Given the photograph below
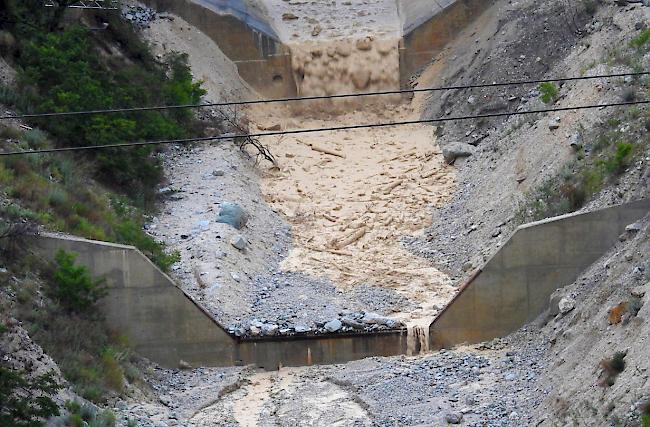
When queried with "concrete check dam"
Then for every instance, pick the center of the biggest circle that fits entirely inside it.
(166, 325)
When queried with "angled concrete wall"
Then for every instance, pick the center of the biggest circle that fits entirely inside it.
(423, 39)
(514, 287)
(244, 36)
(165, 325)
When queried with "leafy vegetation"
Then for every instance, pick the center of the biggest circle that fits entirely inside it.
(82, 415)
(53, 190)
(547, 92)
(24, 401)
(610, 155)
(88, 84)
(645, 414)
(641, 40)
(608, 150)
(97, 362)
(74, 288)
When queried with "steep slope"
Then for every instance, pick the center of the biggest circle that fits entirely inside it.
(515, 157)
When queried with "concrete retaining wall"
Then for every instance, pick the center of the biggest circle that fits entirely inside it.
(514, 287)
(245, 38)
(165, 325)
(425, 38)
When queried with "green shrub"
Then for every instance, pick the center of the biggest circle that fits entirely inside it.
(645, 414)
(620, 160)
(90, 83)
(26, 402)
(8, 96)
(635, 305)
(36, 139)
(90, 415)
(641, 40)
(548, 92)
(74, 288)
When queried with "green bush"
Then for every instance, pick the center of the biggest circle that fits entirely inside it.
(89, 83)
(641, 40)
(26, 402)
(90, 415)
(590, 6)
(547, 92)
(645, 414)
(620, 160)
(74, 288)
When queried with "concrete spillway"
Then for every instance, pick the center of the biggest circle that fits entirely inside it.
(271, 59)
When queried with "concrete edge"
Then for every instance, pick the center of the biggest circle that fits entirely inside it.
(522, 227)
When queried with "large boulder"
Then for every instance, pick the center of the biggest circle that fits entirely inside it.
(333, 326)
(233, 215)
(457, 150)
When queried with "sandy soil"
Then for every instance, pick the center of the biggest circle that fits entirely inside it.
(351, 196)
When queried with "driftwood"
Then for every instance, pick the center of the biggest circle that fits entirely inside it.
(429, 174)
(330, 218)
(347, 241)
(326, 150)
(393, 186)
(330, 251)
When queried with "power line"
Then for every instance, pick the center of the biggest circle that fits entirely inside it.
(314, 98)
(314, 130)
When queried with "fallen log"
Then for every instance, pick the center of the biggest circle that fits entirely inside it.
(326, 150)
(393, 186)
(347, 241)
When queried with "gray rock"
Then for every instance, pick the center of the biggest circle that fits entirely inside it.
(333, 325)
(301, 329)
(633, 228)
(218, 172)
(238, 242)
(577, 141)
(269, 329)
(454, 418)
(455, 151)
(566, 305)
(352, 323)
(554, 303)
(554, 123)
(233, 215)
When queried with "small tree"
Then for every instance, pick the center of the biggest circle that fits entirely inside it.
(75, 289)
(26, 402)
(547, 92)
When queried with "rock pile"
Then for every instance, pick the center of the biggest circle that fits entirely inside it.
(139, 16)
(344, 323)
